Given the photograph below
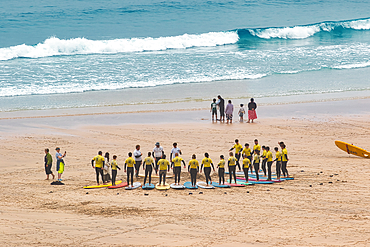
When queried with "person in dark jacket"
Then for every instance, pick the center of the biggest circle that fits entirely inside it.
(252, 106)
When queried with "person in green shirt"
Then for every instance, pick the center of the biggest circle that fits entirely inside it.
(48, 163)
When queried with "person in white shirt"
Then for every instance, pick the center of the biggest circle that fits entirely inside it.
(138, 160)
(175, 150)
(157, 154)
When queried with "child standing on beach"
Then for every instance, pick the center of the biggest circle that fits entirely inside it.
(247, 153)
(231, 163)
(241, 113)
(106, 173)
(214, 109)
(221, 170)
(60, 163)
(246, 165)
(114, 169)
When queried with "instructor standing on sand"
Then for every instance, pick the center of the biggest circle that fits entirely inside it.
(157, 155)
(138, 160)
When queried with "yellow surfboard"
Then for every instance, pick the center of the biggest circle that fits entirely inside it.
(352, 149)
(101, 185)
(162, 187)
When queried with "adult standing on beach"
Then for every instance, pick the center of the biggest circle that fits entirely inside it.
(221, 106)
(138, 160)
(157, 155)
(284, 159)
(229, 112)
(60, 162)
(99, 164)
(252, 106)
(48, 163)
(175, 150)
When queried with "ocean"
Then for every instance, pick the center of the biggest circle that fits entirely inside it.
(153, 55)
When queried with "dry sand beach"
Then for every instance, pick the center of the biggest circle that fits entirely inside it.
(293, 213)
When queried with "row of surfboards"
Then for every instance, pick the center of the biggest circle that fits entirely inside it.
(240, 182)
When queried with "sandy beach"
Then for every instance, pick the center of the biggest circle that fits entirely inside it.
(328, 203)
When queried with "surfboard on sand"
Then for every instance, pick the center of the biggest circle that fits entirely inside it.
(148, 186)
(156, 176)
(220, 185)
(235, 185)
(134, 186)
(188, 185)
(101, 185)
(162, 186)
(242, 182)
(124, 184)
(352, 149)
(204, 185)
(177, 187)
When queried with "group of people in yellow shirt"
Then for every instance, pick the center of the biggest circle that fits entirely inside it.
(251, 159)
(254, 155)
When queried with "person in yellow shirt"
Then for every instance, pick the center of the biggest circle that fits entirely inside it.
(129, 163)
(99, 163)
(114, 166)
(176, 164)
(284, 159)
(193, 168)
(238, 150)
(264, 159)
(256, 146)
(164, 165)
(207, 162)
(247, 153)
(221, 170)
(278, 162)
(269, 162)
(231, 163)
(246, 165)
(256, 163)
(148, 166)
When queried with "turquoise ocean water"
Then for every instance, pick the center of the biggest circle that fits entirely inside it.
(75, 54)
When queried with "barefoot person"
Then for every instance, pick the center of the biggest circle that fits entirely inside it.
(214, 110)
(176, 163)
(247, 153)
(60, 163)
(193, 169)
(252, 106)
(238, 149)
(269, 162)
(221, 106)
(157, 155)
(48, 163)
(229, 112)
(241, 113)
(148, 166)
(175, 150)
(114, 166)
(278, 163)
(207, 162)
(256, 163)
(284, 160)
(164, 165)
(231, 163)
(99, 164)
(138, 160)
(264, 159)
(129, 163)
(246, 165)
(221, 170)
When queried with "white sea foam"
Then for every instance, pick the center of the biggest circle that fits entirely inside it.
(303, 32)
(352, 66)
(55, 46)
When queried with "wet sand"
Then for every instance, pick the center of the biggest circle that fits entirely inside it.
(326, 205)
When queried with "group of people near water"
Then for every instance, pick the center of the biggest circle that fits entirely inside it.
(220, 104)
(245, 158)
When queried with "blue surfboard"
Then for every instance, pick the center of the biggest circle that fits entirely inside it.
(188, 185)
(148, 186)
(220, 185)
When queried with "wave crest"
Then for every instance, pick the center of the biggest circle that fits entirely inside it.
(55, 46)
